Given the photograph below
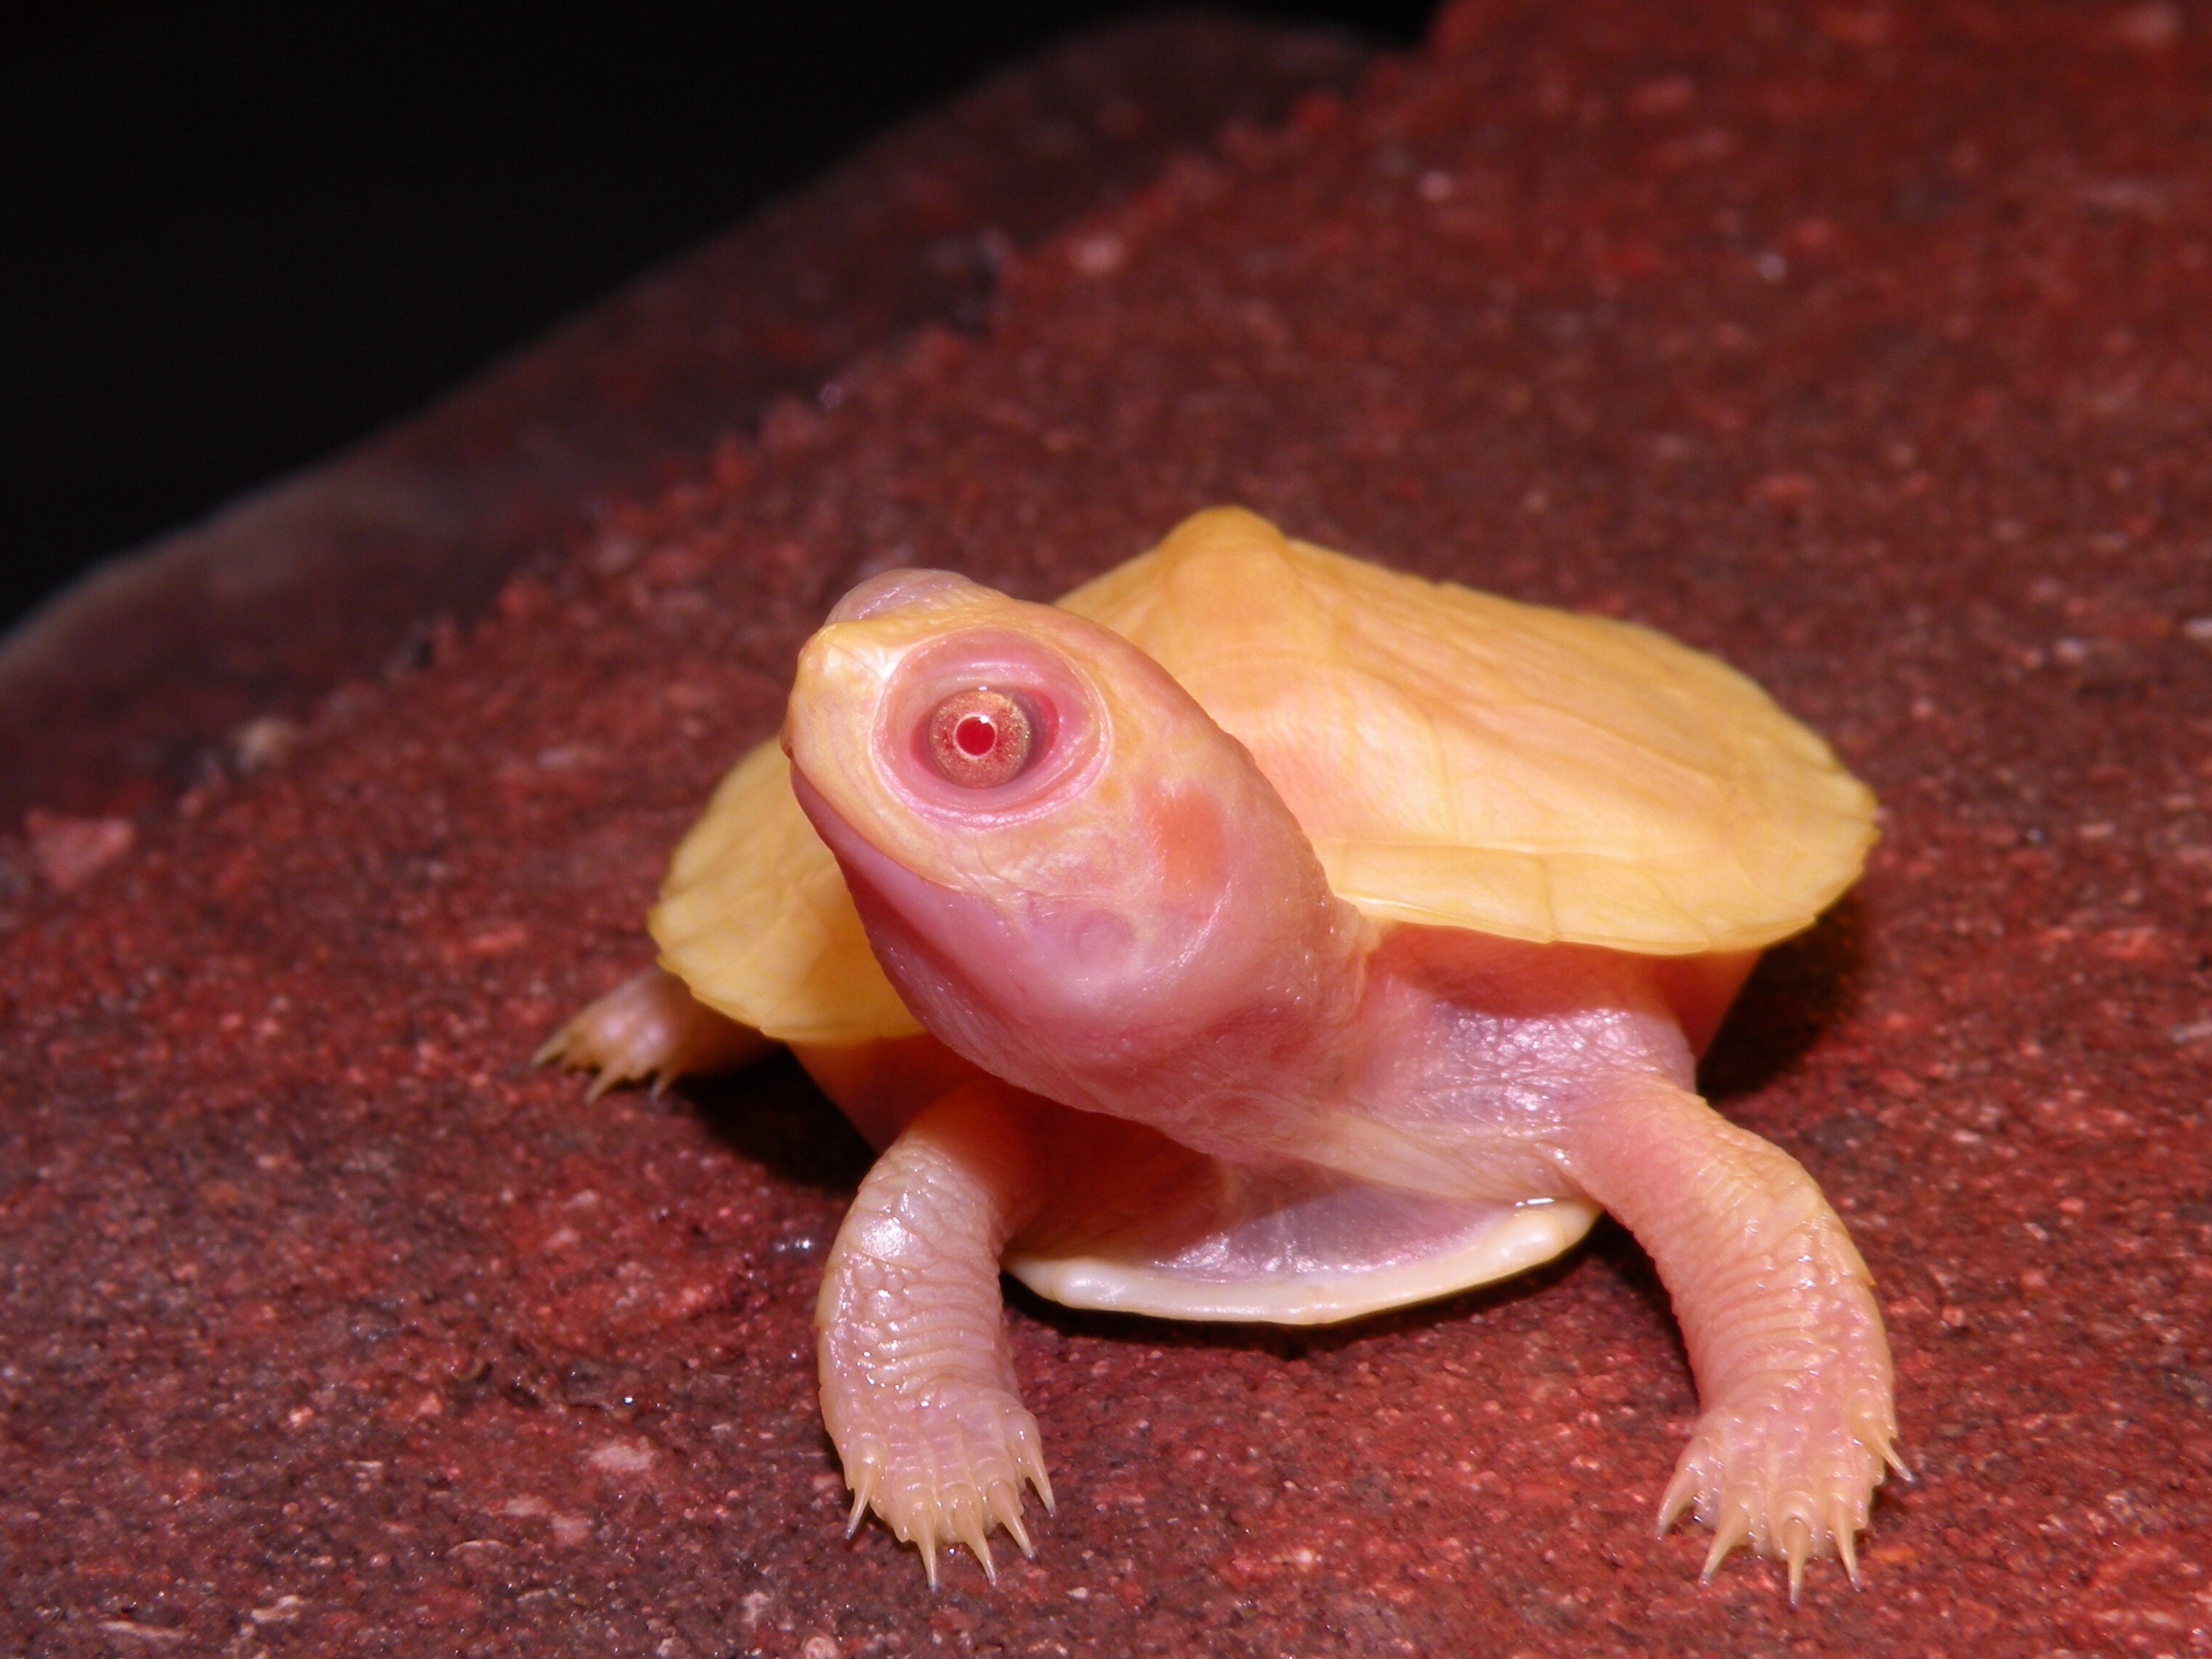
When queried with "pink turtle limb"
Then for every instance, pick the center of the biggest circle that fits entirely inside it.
(1777, 1313)
(650, 1026)
(918, 1386)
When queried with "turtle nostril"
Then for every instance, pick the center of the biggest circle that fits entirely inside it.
(895, 590)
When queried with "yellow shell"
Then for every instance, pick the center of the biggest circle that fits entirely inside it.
(1456, 759)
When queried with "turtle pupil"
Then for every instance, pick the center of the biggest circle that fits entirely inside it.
(980, 738)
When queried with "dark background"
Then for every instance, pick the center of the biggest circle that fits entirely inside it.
(236, 235)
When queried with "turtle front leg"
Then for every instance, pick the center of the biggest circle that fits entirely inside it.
(650, 1026)
(1778, 1314)
(918, 1386)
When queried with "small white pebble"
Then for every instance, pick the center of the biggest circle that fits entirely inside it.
(622, 1457)
(1100, 255)
(264, 742)
(2198, 630)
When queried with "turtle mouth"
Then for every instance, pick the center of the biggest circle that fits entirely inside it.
(866, 865)
(1025, 955)
(924, 934)
(951, 925)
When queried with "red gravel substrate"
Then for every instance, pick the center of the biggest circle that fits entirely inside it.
(1868, 346)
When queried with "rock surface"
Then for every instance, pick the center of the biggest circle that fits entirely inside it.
(1869, 346)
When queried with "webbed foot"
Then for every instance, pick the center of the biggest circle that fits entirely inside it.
(946, 1466)
(649, 1026)
(1791, 1477)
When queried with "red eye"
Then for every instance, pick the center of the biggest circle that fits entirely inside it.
(986, 724)
(980, 738)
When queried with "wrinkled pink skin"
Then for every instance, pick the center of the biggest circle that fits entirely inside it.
(1236, 1005)
(1268, 1020)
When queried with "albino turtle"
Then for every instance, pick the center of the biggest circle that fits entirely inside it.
(1259, 934)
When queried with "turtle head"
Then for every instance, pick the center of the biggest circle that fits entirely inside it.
(1061, 861)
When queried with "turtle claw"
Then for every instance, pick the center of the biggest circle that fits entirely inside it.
(967, 1526)
(1006, 1504)
(1028, 1459)
(925, 1540)
(1796, 1550)
(1681, 1493)
(1731, 1530)
(864, 1493)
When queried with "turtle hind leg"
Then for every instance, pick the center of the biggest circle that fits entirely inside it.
(650, 1026)
(918, 1385)
(1798, 1426)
